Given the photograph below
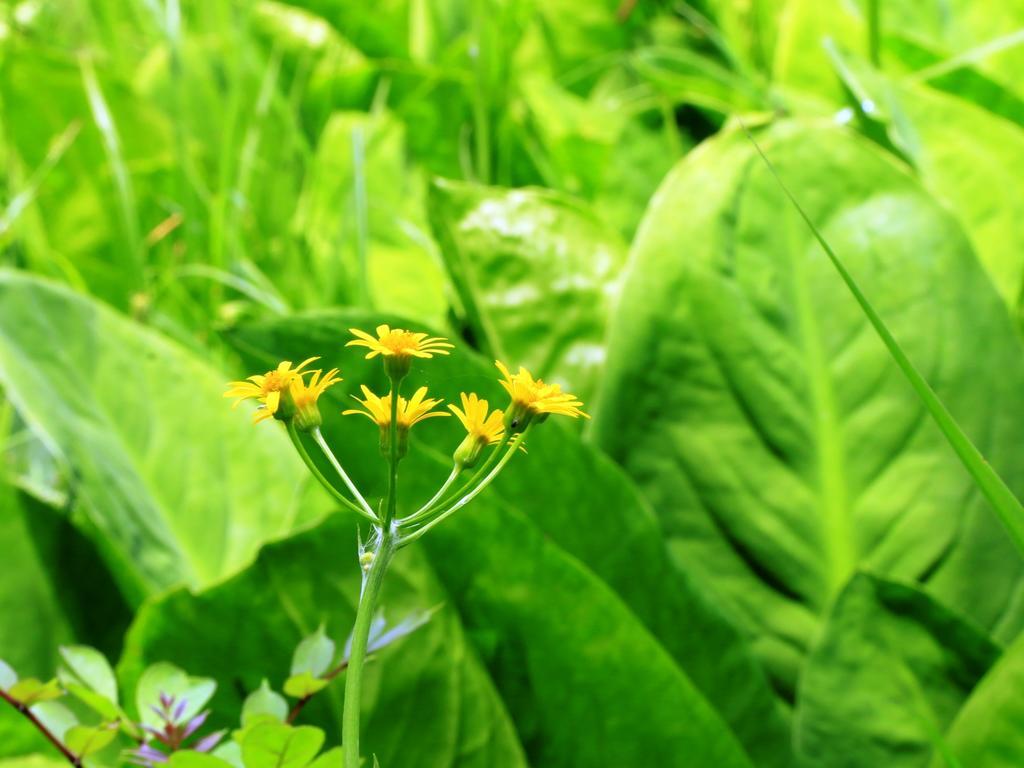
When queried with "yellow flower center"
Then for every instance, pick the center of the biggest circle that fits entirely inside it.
(275, 382)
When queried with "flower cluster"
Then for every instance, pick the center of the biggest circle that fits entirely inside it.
(283, 392)
(493, 436)
(174, 731)
(290, 394)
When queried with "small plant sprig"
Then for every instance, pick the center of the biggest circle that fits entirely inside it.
(290, 395)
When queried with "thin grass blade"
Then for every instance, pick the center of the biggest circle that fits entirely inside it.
(1002, 499)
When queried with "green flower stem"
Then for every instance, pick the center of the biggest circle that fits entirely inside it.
(293, 433)
(425, 509)
(469, 496)
(318, 438)
(392, 504)
(372, 582)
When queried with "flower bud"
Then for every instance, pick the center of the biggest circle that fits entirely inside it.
(286, 406)
(307, 416)
(468, 452)
(517, 417)
(397, 366)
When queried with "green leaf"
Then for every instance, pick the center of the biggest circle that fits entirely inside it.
(166, 679)
(340, 75)
(303, 684)
(57, 718)
(28, 598)
(83, 740)
(765, 421)
(106, 397)
(886, 677)
(377, 254)
(264, 701)
(966, 156)
(188, 759)
(988, 731)
(231, 751)
(431, 693)
(419, 688)
(275, 745)
(314, 654)
(558, 486)
(34, 761)
(90, 668)
(332, 758)
(30, 690)
(981, 33)
(536, 273)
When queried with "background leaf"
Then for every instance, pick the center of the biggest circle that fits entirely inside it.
(987, 731)
(885, 678)
(766, 423)
(114, 404)
(536, 274)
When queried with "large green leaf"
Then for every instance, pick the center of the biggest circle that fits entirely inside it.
(886, 677)
(27, 599)
(989, 731)
(162, 475)
(766, 422)
(431, 703)
(536, 274)
(968, 157)
(975, 32)
(574, 495)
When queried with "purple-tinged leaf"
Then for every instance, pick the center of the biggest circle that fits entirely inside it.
(148, 755)
(208, 742)
(193, 725)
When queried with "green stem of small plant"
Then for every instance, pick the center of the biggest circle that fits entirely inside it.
(27, 712)
(392, 502)
(293, 433)
(875, 32)
(372, 582)
(466, 486)
(469, 496)
(425, 509)
(318, 438)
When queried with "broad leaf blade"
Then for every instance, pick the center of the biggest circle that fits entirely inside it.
(989, 731)
(129, 417)
(886, 677)
(536, 273)
(766, 422)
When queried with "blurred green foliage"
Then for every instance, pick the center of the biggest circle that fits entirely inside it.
(761, 552)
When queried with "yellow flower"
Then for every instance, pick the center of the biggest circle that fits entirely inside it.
(481, 426)
(482, 429)
(267, 388)
(532, 398)
(398, 342)
(411, 411)
(304, 397)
